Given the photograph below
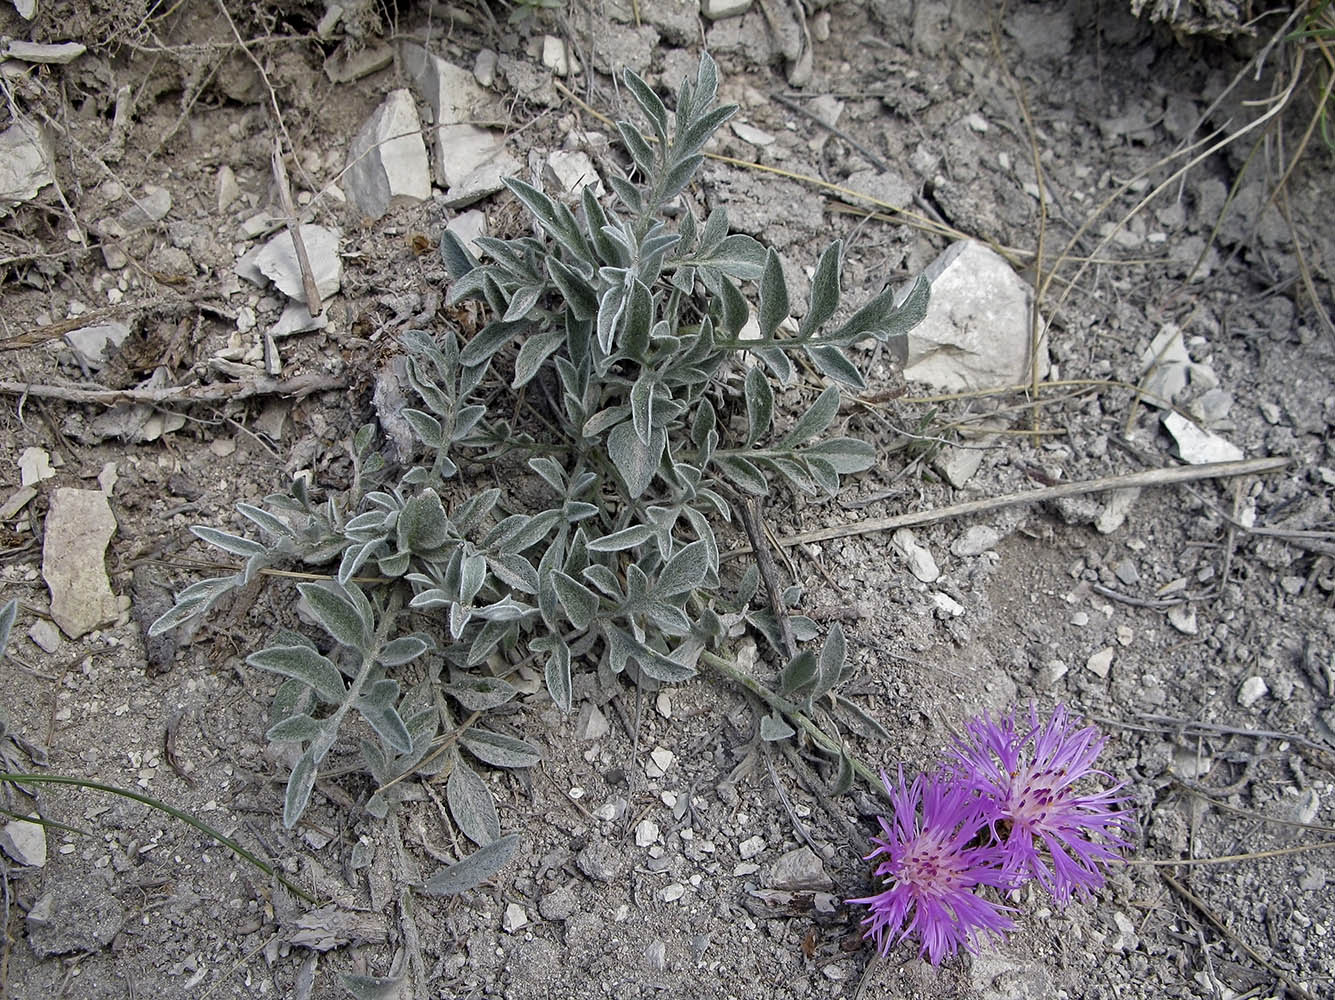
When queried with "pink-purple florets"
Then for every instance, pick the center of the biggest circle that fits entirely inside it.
(933, 868)
(1005, 810)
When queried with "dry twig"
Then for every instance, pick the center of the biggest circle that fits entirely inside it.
(1135, 480)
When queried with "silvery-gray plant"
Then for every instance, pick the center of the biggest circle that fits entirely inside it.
(617, 345)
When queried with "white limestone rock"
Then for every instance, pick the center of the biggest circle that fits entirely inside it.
(387, 163)
(977, 330)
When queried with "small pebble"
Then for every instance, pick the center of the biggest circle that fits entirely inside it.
(1101, 662)
(514, 919)
(1253, 690)
(646, 832)
(750, 847)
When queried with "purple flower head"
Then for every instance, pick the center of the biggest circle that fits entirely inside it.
(931, 869)
(1027, 781)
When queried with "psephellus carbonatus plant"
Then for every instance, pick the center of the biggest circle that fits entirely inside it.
(642, 409)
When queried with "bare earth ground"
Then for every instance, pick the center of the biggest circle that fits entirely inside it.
(933, 93)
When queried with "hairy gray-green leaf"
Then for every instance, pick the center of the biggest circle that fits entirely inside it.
(798, 673)
(824, 290)
(773, 295)
(480, 694)
(557, 675)
(499, 750)
(471, 805)
(636, 460)
(774, 727)
(376, 706)
(833, 653)
(361, 987)
(426, 427)
(234, 544)
(843, 781)
(402, 650)
(815, 420)
(580, 603)
(759, 405)
(472, 871)
(7, 616)
(337, 615)
(535, 350)
(299, 728)
(299, 785)
(303, 664)
(423, 525)
(626, 538)
(684, 571)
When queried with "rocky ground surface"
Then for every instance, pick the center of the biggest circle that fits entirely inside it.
(665, 851)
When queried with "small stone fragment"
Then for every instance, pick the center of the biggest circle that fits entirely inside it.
(717, 10)
(799, 870)
(1308, 804)
(978, 325)
(599, 861)
(559, 904)
(751, 134)
(78, 527)
(1051, 672)
(1183, 618)
(348, 63)
(1125, 571)
(34, 466)
(468, 226)
(95, 344)
(921, 563)
(556, 56)
(276, 260)
(484, 67)
(1113, 516)
(514, 919)
(449, 90)
(46, 53)
(26, 162)
(387, 163)
(1253, 689)
(750, 847)
(886, 186)
(153, 205)
(1191, 764)
(74, 916)
(662, 758)
(228, 189)
(1101, 662)
(24, 842)
(45, 635)
(592, 724)
(976, 540)
(1197, 446)
(947, 605)
(646, 832)
(656, 954)
(571, 172)
(1126, 938)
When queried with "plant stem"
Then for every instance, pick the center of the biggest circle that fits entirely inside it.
(184, 817)
(729, 670)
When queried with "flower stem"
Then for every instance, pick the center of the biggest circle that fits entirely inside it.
(184, 817)
(780, 704)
